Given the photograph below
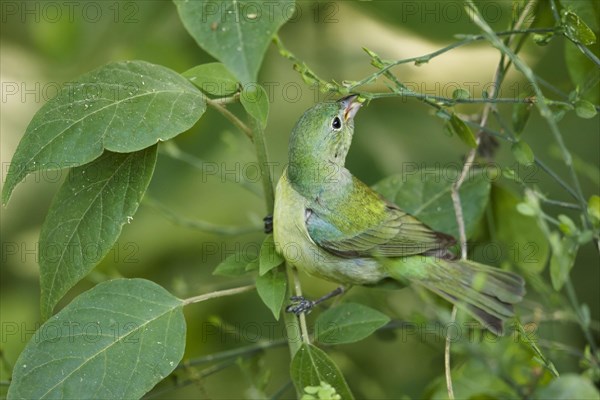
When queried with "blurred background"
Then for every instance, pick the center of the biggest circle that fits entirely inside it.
(44, 46)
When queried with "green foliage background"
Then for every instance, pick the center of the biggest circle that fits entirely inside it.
(391, 135)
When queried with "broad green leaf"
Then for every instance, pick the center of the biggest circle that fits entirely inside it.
(458, 127)
(235, 32)
(585, 9)
(585, 109)
(348, 323)
(213, 78)
(86, 218)
(115, 341)
(426, 195)
(311, 366)
(569, 387)
(271, 288)
(234, 265)
(522, 153)
(584, 74)
(122, 107)
(523, 242)
(564, 251)
(269, 258)
(256, 103)
(576, 29)
(520, 116)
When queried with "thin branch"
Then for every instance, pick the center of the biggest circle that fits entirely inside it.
(199, 225)
(427, 57)
(230, 116)
(447, 369)
(235, 353)
(302, 317)
(218, 293)
(171, 149)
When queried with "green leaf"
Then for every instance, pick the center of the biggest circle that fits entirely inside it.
(256, 103)
(348, 323)
(564, 252)
(520, 116)
(237, 33)
(213, 78)
(576, 29)
(522, 153)
(115, 341)
(584, 74)
(234, 265)
(86, 218)
(568, 387)
(461, 94)
(311, 366)
(458, 127)
(426, 195)
(525, 244)
(271, 288)
(585, 109)
(122, 107)
(269, 258)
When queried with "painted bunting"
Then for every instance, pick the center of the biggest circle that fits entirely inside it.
(329, 224)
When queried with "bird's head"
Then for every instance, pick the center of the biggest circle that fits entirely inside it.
(324, 133)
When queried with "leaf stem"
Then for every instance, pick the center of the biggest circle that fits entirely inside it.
(302, 317)
(218, 293)
(217, 105)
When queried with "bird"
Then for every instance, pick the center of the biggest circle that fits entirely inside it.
(329, 224)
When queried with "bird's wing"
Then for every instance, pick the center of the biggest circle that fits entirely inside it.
(362, 223)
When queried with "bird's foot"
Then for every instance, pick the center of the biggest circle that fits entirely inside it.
(268, 220)
(300, 305)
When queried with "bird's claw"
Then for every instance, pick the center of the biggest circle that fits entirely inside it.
(268, 220)
(300, 305)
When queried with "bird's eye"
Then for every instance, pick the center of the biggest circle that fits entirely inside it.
(336, 123)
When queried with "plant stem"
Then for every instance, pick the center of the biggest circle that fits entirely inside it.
(217, 105)
(235, 353)
(455, 101)
(202, 226)
(263, 161)
(541, 104)
(292, 324)
(447, 369)
(572, 296)
(218, 293)
(302, 317)
(427, 57)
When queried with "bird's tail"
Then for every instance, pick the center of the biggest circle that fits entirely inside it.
(487, 293)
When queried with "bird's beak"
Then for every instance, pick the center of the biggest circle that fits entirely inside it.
(351, 106)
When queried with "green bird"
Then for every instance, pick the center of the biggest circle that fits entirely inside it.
(329, 224)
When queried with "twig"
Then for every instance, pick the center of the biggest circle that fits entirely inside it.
(171, 149)
(447, 369)
(218, 293)
(203, 226)
(302, 317)
(427, 57)
(230, 116)
(235, 353)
